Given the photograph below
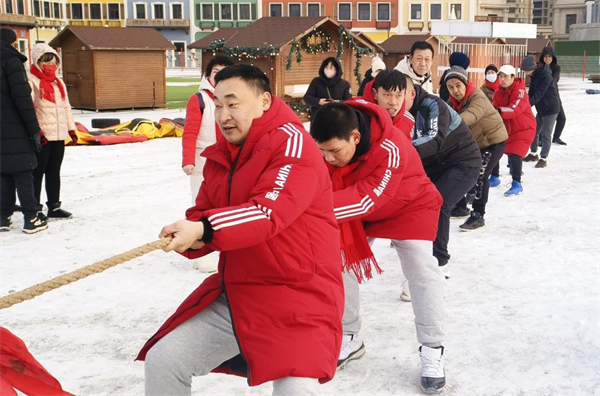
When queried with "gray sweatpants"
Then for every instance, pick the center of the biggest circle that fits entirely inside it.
(426, 289)
(543, 132)
(199, 345)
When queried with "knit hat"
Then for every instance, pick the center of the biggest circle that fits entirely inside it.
(491, 67)
(459, 59)
(528, 63)
(376, 65)
(508, 70)
(459, 73)
(8, 36)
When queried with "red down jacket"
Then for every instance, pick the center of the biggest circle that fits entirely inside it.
(403, 120)
(389, 191)
(280, 266)
(513, 103)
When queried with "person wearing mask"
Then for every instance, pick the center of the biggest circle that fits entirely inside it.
(377, 65)
(328, 87)
(199, 132)
(456, 59)
(489, 132)
(380, 190)
(19, 138)
(54, 114)
(543, 94)
(418, 64)
(512, 102)
(549, 59)
(450, 157)
(491, 83)
(273, 311)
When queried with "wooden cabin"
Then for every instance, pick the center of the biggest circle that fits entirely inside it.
(270, 42)
(107, 68)
(397, 47)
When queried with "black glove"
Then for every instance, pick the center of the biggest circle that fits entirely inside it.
(37, 142)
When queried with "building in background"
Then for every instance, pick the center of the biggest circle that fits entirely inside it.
(212, 15)
(511, 11)
(564, 14)
(17, 15)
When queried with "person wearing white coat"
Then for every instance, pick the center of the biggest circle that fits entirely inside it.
(418, 64)
(54, 115)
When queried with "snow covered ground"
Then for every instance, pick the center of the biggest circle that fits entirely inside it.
(522, 303)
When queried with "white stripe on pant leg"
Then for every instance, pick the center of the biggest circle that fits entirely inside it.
(295, 386)
(427, 289)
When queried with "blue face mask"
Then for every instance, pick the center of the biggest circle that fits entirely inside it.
(491, 77)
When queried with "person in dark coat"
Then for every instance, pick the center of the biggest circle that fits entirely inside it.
(456, 59)
(544, 96)
(449, 153)
(19, 137)
(549, 59)
(328, 87)
(377, 65)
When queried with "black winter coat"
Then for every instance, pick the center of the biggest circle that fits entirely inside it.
(440, 136)
(368, 78)
(554, 66)
(18, 122)
(443, 91)
(324, 88)
(543, 93)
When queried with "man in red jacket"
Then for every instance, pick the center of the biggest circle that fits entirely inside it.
(273, 311)
(512, 102)
(382, 191)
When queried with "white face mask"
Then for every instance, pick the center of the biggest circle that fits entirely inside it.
(330, 73)
(491, 77)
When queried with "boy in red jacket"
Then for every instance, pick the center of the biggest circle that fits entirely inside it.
(512, 102)
(273, 311)
(199, 132)
(382, 191)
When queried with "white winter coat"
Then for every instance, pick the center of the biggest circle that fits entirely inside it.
(55, 119)
(425, 82)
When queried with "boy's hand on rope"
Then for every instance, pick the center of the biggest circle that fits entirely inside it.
(186, 234)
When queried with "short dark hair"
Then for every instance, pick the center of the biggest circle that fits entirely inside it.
(333, 120)
(421, 45)
(8, 35)
(390, 80)
(219, 60)
(47, 57)
(251, 75)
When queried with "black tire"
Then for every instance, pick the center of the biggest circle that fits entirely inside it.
(105, 122)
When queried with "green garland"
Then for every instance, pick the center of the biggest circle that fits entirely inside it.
(360, 51)
(295, 47)
(300, 107)
(243, 52)
(324, 44)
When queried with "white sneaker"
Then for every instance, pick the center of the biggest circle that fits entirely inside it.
(205, 264)
(353, 348)
(445, 270)
(433, 378)
(405, 294)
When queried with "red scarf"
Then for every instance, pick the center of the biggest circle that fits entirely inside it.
(46, 88)
(493, 86)
(456, 105)
(356, 252)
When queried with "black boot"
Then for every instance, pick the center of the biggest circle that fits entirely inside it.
(55, 212)
(473, 222)
(40, 213)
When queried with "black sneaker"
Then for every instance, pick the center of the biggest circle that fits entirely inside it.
(459, 211)
(55, 212)
(474, 222)
(531, 157)
(34, 225)
(5, 224)
(541, 163)
(560, 142)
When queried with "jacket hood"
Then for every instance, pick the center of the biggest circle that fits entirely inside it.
(405, 67)
(205, 85)
(381, 122)
(338, 66)
(8, 50)
(548, 51)
(518, 83)
(40, 49)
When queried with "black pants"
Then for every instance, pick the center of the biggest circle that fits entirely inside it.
(23, 183)
(561, 120)
(49, 161)
(490, 157)
(516, 167)
(452, 183)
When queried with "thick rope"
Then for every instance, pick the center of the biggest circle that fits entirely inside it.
(55, 283)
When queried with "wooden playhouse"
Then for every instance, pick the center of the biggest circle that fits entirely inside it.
(113, 68)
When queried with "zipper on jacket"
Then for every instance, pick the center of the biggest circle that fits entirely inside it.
(237, 340)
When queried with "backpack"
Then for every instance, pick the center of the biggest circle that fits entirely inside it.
(201, 102)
